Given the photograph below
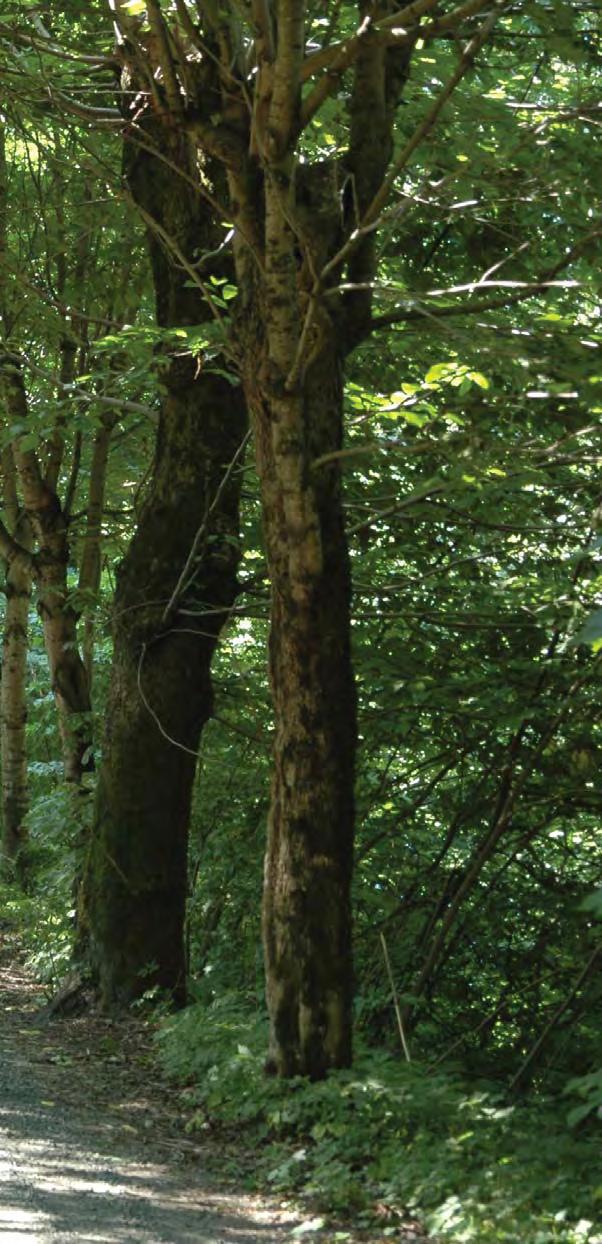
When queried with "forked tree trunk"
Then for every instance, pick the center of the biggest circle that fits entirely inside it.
(168, 612)
(292, 375)
(298, 420)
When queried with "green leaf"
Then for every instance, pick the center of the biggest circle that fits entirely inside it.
(591, 631)
(593, 903)
(578, 1113)
(477, 377)
(437, 372)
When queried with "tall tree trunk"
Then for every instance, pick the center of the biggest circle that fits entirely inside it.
(293, 382)
(292, 376)
(160, 693)
(296, 396)
(13, 702)
(13, 712)
(307, 906)
(174, 591)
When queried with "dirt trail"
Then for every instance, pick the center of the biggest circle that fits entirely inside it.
(87, 1150)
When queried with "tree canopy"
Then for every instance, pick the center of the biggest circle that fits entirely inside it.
(300, 411)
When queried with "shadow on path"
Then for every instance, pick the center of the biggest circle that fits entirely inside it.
(65, 1174)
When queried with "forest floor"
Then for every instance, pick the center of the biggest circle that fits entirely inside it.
(93, 1144)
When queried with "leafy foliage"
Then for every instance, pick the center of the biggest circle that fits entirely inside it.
(387, 1137)
(472, 499)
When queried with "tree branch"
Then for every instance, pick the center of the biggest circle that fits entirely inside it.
(415, 313)
(14, 553)
(166, 62)
(286, 93)
(429, 122)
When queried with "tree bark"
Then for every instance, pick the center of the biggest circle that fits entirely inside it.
(50, 563)
(295, 393)
(13, 702)
(308, 866)
(295, 235)
(160, 693)
(168, 613)
(13, 710)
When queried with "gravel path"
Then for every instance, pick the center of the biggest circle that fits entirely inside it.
(80, 1157)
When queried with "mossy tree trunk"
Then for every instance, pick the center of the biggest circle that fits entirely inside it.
(304, 271)
(174, 591)
(13, 702)
(293, 382)
(306, 907)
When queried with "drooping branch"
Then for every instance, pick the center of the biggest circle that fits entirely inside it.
(510, 791)
(517, 292)
(75, 391)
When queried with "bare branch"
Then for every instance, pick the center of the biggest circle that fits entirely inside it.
(103, 117)
(328, 58)
(518, 292)
(452, 20)
(172, 246)
(73, 390)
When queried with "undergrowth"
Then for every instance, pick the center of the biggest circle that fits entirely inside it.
(43, 911)
(387, 1139)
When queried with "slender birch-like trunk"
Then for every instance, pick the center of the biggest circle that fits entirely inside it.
(59, 619)
(13, 712)
(90, 565)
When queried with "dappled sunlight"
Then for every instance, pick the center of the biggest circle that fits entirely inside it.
(301, 578)
(73, 1166)
(50, 1189)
